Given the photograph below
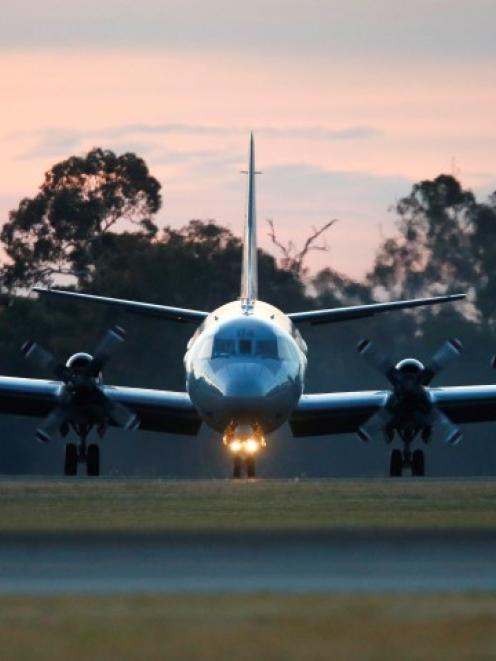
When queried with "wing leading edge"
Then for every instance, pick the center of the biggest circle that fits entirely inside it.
(158, 410)
(136, 307)
(334, 315)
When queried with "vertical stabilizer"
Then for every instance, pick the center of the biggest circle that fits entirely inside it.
(249, 273)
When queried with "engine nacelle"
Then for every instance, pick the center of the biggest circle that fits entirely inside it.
(410, 366)
(80, 361)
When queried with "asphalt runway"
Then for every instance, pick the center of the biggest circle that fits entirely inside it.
(337, 561)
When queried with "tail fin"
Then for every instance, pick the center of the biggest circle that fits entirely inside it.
(249, 274)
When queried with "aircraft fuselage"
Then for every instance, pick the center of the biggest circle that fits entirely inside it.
(245, 365)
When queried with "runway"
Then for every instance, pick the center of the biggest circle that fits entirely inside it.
(345, 561)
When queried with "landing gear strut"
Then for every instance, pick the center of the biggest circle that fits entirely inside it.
(407, 459)
(247, 462)
(82, 454)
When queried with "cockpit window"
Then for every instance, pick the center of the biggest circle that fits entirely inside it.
(245, 347)
(266, 349)
(223, 348)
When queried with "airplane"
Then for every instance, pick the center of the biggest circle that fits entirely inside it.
(245, 370)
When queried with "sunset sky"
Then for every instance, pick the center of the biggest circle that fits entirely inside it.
(350, 102)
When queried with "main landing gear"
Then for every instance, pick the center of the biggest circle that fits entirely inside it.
(415, 460)
(248, 463)
(82, 454)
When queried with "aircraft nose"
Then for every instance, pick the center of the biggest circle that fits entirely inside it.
(244, 381)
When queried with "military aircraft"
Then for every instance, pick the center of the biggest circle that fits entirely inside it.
(245, 373)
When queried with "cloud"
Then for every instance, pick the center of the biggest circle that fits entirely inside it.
(52, 141)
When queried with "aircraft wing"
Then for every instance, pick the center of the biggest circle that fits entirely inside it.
(344, 412)
(158, 410)
(333, 315)
(334, 413)
(136, 307)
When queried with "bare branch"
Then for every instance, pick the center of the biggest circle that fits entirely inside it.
(292, 259)
(286, 250)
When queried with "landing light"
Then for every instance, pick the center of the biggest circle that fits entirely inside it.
(248, 446)
(251, 446)
(235, 446)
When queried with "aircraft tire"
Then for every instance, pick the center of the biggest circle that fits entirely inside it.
(396, 464)
(237, 467)
(93, 461)
(71, 459)
(418, 464)
(250, 467)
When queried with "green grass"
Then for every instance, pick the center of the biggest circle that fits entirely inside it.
(247, 628)
(161, 505)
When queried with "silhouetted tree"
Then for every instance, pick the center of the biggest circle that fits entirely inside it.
(433, 252)
(81, 200)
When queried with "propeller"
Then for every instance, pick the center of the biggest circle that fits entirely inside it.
(81, 399)
(409, 403)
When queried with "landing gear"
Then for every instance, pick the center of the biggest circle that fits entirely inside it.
(71, 459)
(396, 464)
(82, 454)
(249, 464)
(250, 467)
(400, 460)
(418, 464)
(237, 465)
(93, 461)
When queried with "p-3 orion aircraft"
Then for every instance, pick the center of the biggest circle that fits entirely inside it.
(245, 374)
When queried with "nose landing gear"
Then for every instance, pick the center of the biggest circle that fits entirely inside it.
(244, 442)
(247, 462)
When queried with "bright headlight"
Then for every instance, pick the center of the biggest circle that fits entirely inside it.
(251, 446)
(235, 446)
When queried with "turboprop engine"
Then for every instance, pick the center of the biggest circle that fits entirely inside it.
(409, 408)
(81, 401)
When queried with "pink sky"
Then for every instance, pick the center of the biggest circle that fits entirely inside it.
(342, 127)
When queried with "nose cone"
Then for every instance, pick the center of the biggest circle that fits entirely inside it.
(245, 391)
(244, 381)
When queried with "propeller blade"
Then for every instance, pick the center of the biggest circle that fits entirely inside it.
(51, 425)
(112, 339)
(39, 356)
(451, 433)
(123, 417)
(377, 422)
(450, 350)
(376, 358)
(493, 362)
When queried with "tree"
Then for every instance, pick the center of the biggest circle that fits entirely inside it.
(81, 200)
(433, 252)
(483, 248)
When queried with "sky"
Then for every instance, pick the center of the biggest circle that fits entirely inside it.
(350, 102)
